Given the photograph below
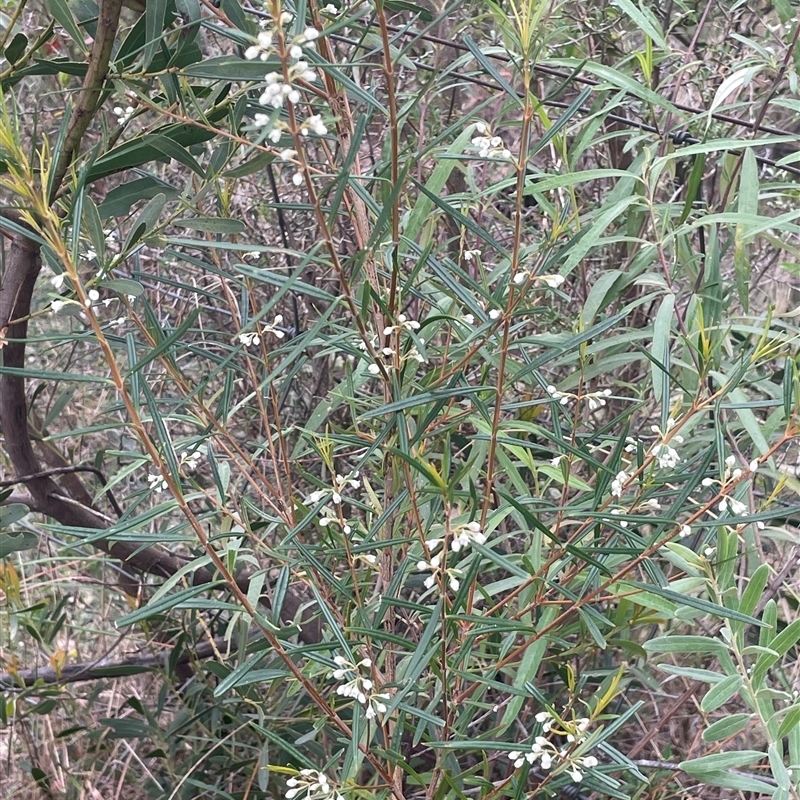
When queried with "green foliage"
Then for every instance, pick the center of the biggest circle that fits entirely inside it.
(431, 375)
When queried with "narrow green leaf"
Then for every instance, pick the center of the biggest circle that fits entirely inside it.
(222, 225)
(755, 588)
(720, 694)
(258, 162)
(644, 20)
(660, 348)
(63, 15)
(706, 606)
(146, 220)
(16, 541)
(726, 727)
(164, 604)
(721, 761)
(490, 68)
(685, 644)
(789, 722)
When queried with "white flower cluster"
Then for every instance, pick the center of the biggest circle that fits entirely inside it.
(552, 281)
(252, 338)
(738, 508)
(277, 91)
(434, 566)
(313, 124)
(157, 482)
(340, 484)
(731, 474)
(123, 114)
(663, 451)
(594, 400)
(462, 537)
(549, 755)
(191, 460)
(358, 687)
(618, 484)
(388, 353)
(487, 145)
(310, 784)
(403, 323)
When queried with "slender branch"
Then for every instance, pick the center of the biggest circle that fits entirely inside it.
(67, 471)
(86, 104)
(106, 668)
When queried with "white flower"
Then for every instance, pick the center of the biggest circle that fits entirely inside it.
(707, 482)
(262, 48)
(275, 134)
(123, 114)
(553, 281)
(252, 338)
(432, 544)
(92, 296)
(359, 686)
(464, 535)
(297, 178)
(686, 531)
(374, 369)
(376, 705)
(616, 512)
(520, 758)
(618, 484)
(753, 465)
(730, 461)
(471, 254)
(58, 280)
(285, 155)
(576, 775)
(494, 313)
(191, 460)
(157, 482)
(489, 146)
(57, 305)
(737, 508)
(313, 124)
(666, 456)
(310, 784)
(403, 323)
(597, 399)
(295, 51)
